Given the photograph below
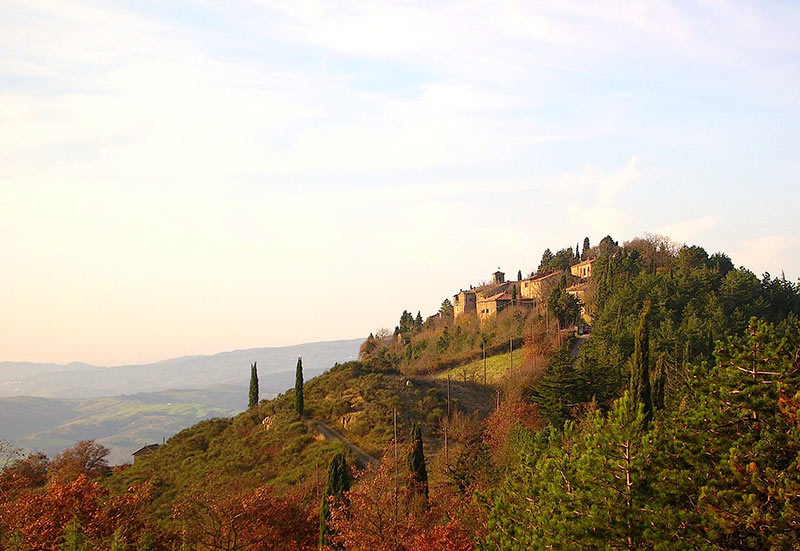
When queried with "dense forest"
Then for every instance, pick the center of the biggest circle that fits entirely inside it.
(674, 425)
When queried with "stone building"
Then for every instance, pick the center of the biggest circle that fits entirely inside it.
(583, 269)
(538, 288)
(487, 300)
(466, 302)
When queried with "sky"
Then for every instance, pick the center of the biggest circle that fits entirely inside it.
(190, 177)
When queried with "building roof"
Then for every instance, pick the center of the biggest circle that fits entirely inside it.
(486, 291)
(540, 278)
(496, 297)
(146, 449)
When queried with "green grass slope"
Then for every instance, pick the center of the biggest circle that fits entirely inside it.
(271, 444)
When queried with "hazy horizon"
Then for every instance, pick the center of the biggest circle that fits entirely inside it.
(181, 356)
(189, 178)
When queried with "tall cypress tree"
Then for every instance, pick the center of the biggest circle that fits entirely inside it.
(298, 388)
(253, 386)
(416, 459)
(338, 483)
(641, 391)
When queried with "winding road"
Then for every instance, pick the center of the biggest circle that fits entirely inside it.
(329, 433)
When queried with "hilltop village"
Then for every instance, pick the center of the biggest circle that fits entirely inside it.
(488, 300)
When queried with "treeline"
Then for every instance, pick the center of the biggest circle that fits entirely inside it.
(677, 426)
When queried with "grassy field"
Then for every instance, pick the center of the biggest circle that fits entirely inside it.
(496, 368)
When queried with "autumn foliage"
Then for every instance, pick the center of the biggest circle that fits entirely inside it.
(219, 517)
(39, 517)
(386, 511)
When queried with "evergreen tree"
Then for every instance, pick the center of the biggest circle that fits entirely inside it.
(299, 406)
(416, 460)
(418, 320)
(519, 275)
(641, 391)
(544, 264)
(253, 386)
(584, 488)
(560, 389)
(585, 250)
(338, 483)
(446, 309)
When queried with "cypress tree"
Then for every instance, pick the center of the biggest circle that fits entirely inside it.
(659, 382)
(641, 391)
(253, 386)
(338, 483)
(298, 388)
(416, 459)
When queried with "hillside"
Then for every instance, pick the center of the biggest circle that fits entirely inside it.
(48, 407)
(674, 425)
(355, 398)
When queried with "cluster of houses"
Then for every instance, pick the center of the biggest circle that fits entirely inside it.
(487, 300)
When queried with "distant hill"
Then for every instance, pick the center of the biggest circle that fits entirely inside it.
(49, 407)
(79, 380)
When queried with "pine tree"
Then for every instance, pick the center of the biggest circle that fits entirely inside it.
(585, 251)
(641, 391)
(298, 388)
(416, 460)
(253, 386)
(418, 320)
(560, 389)
(338, 483)
(519, 275)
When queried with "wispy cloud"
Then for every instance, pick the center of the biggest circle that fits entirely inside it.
(597, 199)
(689, 231)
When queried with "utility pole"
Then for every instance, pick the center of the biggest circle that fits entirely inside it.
(447, 425)
(394, 420)
(483, 346)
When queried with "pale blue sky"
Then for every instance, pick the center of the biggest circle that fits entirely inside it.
(191, 177)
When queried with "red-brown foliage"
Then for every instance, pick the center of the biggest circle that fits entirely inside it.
(87, 457)
(502, 421)
(225, 518)
(384, 511)
(39, 517)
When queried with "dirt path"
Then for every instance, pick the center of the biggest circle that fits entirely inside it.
(332, 434)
